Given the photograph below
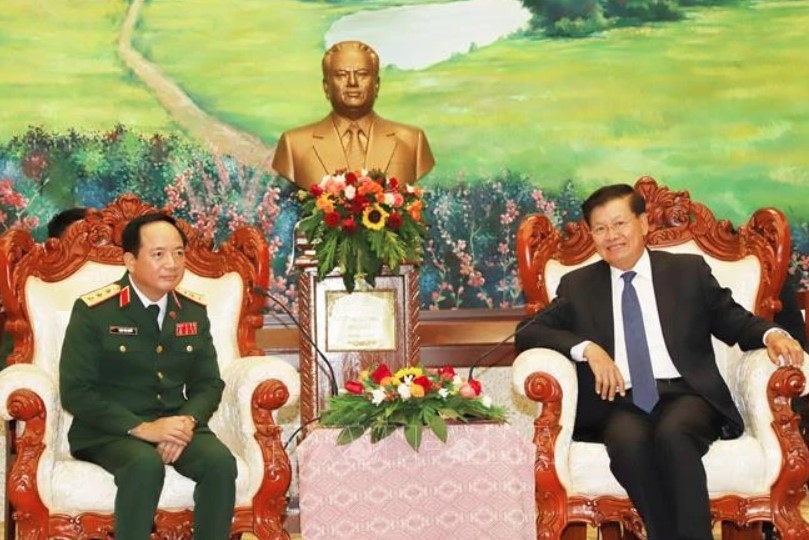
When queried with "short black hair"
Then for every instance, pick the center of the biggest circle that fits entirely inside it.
(130, 239)
(605, 194)
(64, 219)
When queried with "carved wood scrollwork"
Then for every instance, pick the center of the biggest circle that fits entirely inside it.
(552, 512)
(269, 503)
(673, 219)
(97, 238)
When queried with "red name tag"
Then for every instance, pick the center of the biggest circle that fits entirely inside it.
(187, 329)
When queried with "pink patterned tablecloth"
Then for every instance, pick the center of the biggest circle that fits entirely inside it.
(477, 486)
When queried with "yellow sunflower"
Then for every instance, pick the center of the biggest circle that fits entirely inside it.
(409, 373)
(374, 217)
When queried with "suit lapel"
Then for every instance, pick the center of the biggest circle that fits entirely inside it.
(328, 148)
(381, 145)
(602, 313)
(173, 311)
(132, 308)
(665, 297)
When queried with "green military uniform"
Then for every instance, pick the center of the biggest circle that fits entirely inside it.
(117, 370)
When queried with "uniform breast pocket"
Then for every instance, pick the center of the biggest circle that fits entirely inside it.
(124, 355)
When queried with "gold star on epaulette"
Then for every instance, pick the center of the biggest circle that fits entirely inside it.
(99, 295)
(191, 295)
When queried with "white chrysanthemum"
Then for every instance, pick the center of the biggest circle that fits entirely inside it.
(404, 391)
(389, 199)
(377, 396)
(349, 192)
(443, 392)
(486, 401)
(457, 381)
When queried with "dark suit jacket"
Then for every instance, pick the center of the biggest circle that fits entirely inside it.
(305, 154)
(118, 370)
(692, 307)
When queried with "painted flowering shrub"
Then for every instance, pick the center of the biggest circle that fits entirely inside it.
(469, 254)
(468, 257)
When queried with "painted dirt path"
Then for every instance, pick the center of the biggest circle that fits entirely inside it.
(218, 136)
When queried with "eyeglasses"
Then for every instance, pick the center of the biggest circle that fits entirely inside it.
(618, 227)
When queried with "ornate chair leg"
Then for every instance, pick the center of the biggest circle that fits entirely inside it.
(575, 531)
(731, 531)
(611, 531)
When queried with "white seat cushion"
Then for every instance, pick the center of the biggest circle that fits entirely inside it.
(70, 478)
(723, 462)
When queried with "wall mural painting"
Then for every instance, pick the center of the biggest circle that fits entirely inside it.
(528, 105)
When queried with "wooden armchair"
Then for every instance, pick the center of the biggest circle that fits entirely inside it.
(56, 496)
(757, 477)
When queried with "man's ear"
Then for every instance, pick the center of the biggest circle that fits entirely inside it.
(129, 261)
(326, 89)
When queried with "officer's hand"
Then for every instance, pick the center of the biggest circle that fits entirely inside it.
(170, 452)
(608, 378)
(173, 429)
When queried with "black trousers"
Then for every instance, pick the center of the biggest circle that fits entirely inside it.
(657, 458)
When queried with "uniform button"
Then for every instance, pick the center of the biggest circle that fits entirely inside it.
(122, 348)
(159, 396)
(160, 375)
(159, 349)
(189, 348)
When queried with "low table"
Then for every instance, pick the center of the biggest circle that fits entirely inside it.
(477, 486)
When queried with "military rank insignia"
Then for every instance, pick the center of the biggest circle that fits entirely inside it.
(186, 329)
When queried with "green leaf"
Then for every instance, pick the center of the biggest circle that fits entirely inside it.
(439, 427)
(349, 434)
(412, 433)
(380, 431)
(451, 414)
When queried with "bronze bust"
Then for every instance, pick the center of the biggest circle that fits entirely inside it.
(352, 136)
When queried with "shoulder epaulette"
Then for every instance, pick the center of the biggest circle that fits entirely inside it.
(191, 295)
(100, 295)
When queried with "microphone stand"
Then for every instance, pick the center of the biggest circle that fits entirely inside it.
(305, 334)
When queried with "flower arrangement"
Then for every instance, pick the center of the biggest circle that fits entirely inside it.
(359, 221)
(413, 397)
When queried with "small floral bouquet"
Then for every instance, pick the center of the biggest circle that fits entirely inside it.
(358, 221)
(413, 397)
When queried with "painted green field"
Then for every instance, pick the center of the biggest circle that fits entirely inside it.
(717, 104)
(59, 68)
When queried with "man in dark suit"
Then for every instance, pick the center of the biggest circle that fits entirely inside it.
(352, 137)
(638, 324)
(139, 374)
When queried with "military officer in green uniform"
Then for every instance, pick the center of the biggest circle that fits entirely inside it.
(139, 374)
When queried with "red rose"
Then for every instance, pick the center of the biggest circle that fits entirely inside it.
(424, 382)
(359, 204)
(349, 225)
(447, 372)
(332, 219)
(393, 183)
(355, 387)
(316, 190)
(394, 220)
(476, 386)
(350, 178)
(380, 373)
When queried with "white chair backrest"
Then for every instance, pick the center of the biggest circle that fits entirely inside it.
(49, 306)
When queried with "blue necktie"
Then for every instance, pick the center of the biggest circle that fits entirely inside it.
(644, 387)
